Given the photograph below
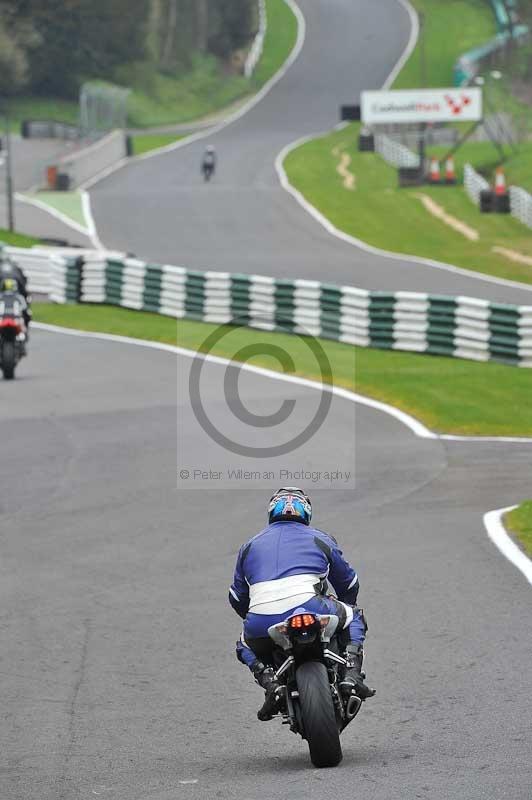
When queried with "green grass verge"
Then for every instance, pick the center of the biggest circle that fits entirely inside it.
(207, 87)
(158, 99)
(281, 35)
(16, 239)
(144, 142)
(385, 216)
(35, 107)
(519, 523)
(448, 395)
(485, 157)
(449, 30)
(68, 203)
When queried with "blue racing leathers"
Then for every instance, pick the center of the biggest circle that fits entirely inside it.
(284, 567)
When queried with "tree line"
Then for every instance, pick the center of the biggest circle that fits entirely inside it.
(50, 47)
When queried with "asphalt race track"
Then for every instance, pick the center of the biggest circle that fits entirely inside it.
(161, 210)
(119, 679)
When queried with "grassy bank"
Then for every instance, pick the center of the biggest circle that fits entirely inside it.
(519, 523)
(385, 216)
(483, 399)
(448, 30)
(281, 35)
(144, 142)
(159, 99)
(16, 239)
(485, 157)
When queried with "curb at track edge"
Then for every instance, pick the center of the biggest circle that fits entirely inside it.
(493, 522)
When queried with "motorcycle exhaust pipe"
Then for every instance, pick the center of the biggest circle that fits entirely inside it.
(354, 704)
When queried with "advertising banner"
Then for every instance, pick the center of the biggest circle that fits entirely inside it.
(421, 105)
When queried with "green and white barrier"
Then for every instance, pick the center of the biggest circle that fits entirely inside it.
(462, 327)
(54, 273)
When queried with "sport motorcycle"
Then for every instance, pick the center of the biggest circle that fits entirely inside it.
(13, 333)
(309, 667)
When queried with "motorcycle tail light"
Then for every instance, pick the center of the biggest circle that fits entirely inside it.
(9, 322)
(302, 621)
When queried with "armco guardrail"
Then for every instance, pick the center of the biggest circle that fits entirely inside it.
(49, 129)
(462, 327)
(470, 63)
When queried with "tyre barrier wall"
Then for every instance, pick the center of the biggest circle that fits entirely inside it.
(52, 272)
(461, 327)
(509, 30)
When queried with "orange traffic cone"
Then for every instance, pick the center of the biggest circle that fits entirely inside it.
(434, 172)
(450, 173)
(502, 196)
(500, 182)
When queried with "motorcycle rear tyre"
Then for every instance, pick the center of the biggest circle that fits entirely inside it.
(9, 360)
(319, 718)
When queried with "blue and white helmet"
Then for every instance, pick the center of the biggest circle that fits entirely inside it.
(290, 504)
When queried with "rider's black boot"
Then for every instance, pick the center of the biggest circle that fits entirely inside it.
(265, 677)
(353, 681)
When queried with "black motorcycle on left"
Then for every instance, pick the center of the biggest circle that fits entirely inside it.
(13, 332)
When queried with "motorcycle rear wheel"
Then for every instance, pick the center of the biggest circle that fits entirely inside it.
(9, 360)
(319, 718)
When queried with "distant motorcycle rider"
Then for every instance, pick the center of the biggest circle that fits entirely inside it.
(208, 164)
(12, 278)
(285, 566)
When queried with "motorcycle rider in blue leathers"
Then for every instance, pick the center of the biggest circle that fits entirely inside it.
(288, 565)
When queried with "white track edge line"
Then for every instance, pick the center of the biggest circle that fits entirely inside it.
(450, 437)
(359, 243)
(414, 35)
(91, 225)
(70, 223)
(411, 422)
(204, 134)
(493, 522)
